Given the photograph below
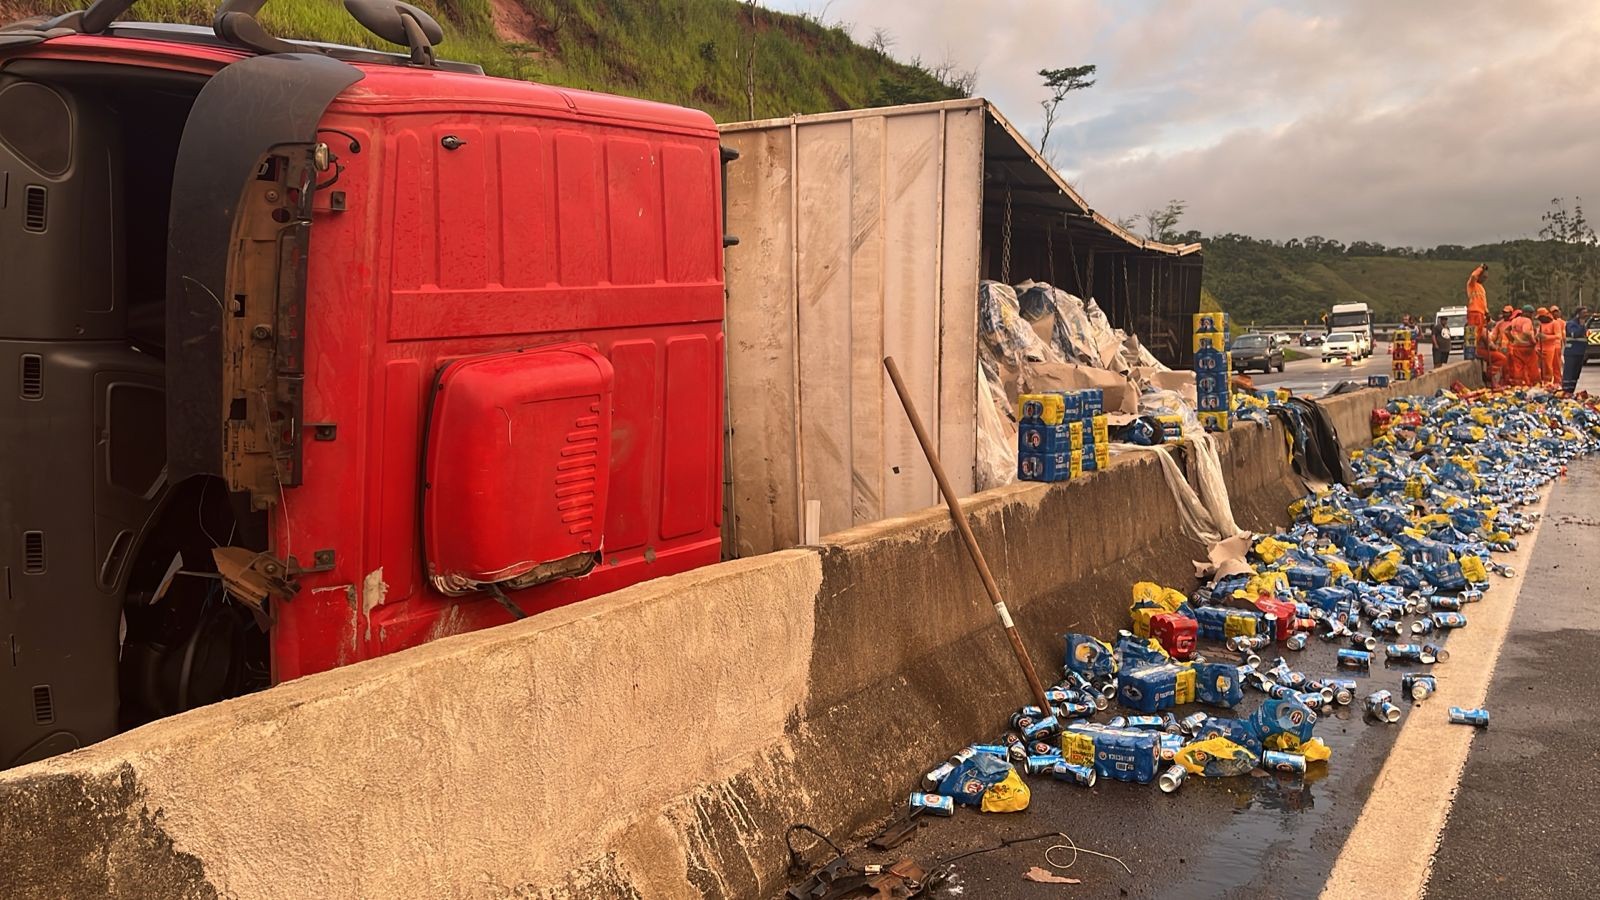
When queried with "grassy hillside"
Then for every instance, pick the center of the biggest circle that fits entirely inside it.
(690, 52)
(1266, 287)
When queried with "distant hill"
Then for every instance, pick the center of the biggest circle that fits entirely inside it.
(689, 52)
(1282, 283)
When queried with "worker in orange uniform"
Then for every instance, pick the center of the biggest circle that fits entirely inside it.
(1522, 344)
(1551, 337)
(1492, 349)
(1478, 313)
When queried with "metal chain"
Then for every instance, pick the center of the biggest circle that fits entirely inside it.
(1050, 251)
(1005, 241)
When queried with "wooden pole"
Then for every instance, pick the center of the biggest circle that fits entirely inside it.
(959, 517)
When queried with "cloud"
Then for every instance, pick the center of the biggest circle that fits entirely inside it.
(1416, 122)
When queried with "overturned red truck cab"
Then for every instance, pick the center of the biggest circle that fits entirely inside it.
(315, 353)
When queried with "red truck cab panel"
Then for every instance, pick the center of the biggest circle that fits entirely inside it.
(518, 460)
(541, 225)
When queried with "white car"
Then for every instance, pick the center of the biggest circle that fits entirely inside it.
(1339, 344)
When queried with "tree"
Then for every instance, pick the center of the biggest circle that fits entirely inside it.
(1060, 83)
(1570, 260)
(881, 41)
(750, 62)
(1162, 224)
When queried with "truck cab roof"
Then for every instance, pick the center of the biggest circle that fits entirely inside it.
(388, 77)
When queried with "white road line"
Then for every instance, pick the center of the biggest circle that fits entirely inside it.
(1389, 852)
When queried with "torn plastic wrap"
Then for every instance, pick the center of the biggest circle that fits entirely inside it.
(997, 432)
(1035, 337)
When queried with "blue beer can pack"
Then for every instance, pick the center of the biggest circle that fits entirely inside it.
(1127, 755)
(1044, 466)
(1208, 361)
(1154, 688)
(1218, 684)
(1286, 716)
(1036, 437)
(1089, 656)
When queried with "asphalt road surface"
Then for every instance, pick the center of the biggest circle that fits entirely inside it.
(1523, 823)
(1313, 377)
(1510, 809)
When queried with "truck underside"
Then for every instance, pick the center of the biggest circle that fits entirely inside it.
(131, 603)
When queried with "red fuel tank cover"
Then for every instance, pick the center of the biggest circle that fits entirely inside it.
(517, 465)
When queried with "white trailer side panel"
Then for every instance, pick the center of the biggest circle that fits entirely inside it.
(883, 212)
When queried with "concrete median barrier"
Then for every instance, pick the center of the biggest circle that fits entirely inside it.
(654, 742)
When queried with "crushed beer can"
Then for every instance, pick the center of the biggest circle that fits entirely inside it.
(1387, 626)
(1478, 718)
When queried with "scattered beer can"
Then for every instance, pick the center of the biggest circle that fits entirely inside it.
(1422, 626)
(1411, 652)
(1363, 641)
(1438, 653)
(1191, 723)
(1355, 659)
(1065, 771)
(1418, 686)
(1172, 779)
(1447, 604)
(1038, 765)
(1297, 641)
(938, 775)
(1478, 718)
(1448, 620)
(935, 804)
(1380, 704)
(1276, 761)
(1045, 727)
(1387, 626)
(1344, 691)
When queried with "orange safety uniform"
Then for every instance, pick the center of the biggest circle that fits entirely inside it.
(1552, 335)
(1522, 342)
(1477, 300)
(1492, 350)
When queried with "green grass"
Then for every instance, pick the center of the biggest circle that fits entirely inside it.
(689, 52)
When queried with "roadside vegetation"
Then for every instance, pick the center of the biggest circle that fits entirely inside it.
(735, 60)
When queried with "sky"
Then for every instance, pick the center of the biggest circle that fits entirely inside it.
(1407, 122)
